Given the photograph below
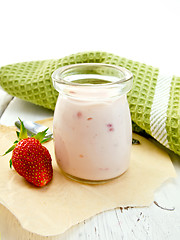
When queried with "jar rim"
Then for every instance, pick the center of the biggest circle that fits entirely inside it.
(57, 74)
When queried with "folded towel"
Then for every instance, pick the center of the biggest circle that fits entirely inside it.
(154, 99)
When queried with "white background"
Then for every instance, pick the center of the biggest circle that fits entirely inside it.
(141, 30)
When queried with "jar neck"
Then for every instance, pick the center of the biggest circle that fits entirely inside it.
(92, 81)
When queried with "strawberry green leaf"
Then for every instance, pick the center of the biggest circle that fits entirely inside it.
(10, 149)
(23, 131)
(46, 140)
(41, 135)
(10, 163)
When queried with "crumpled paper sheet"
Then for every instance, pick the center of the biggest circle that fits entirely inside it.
(52, 209)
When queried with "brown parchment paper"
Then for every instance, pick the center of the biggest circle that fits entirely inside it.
(53, 209)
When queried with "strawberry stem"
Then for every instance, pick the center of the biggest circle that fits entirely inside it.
(23, 131)
(17, 133)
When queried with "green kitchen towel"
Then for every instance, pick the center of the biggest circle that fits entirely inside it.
(154, 99)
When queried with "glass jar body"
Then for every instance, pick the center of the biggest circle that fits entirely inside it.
(92, 137)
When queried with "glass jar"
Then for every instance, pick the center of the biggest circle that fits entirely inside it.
(92, 124)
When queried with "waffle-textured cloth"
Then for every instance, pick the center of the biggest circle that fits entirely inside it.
(154, 99)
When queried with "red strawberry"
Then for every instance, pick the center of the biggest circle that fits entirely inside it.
(31, 159)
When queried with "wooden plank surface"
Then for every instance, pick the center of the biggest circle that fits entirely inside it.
(159, 221)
